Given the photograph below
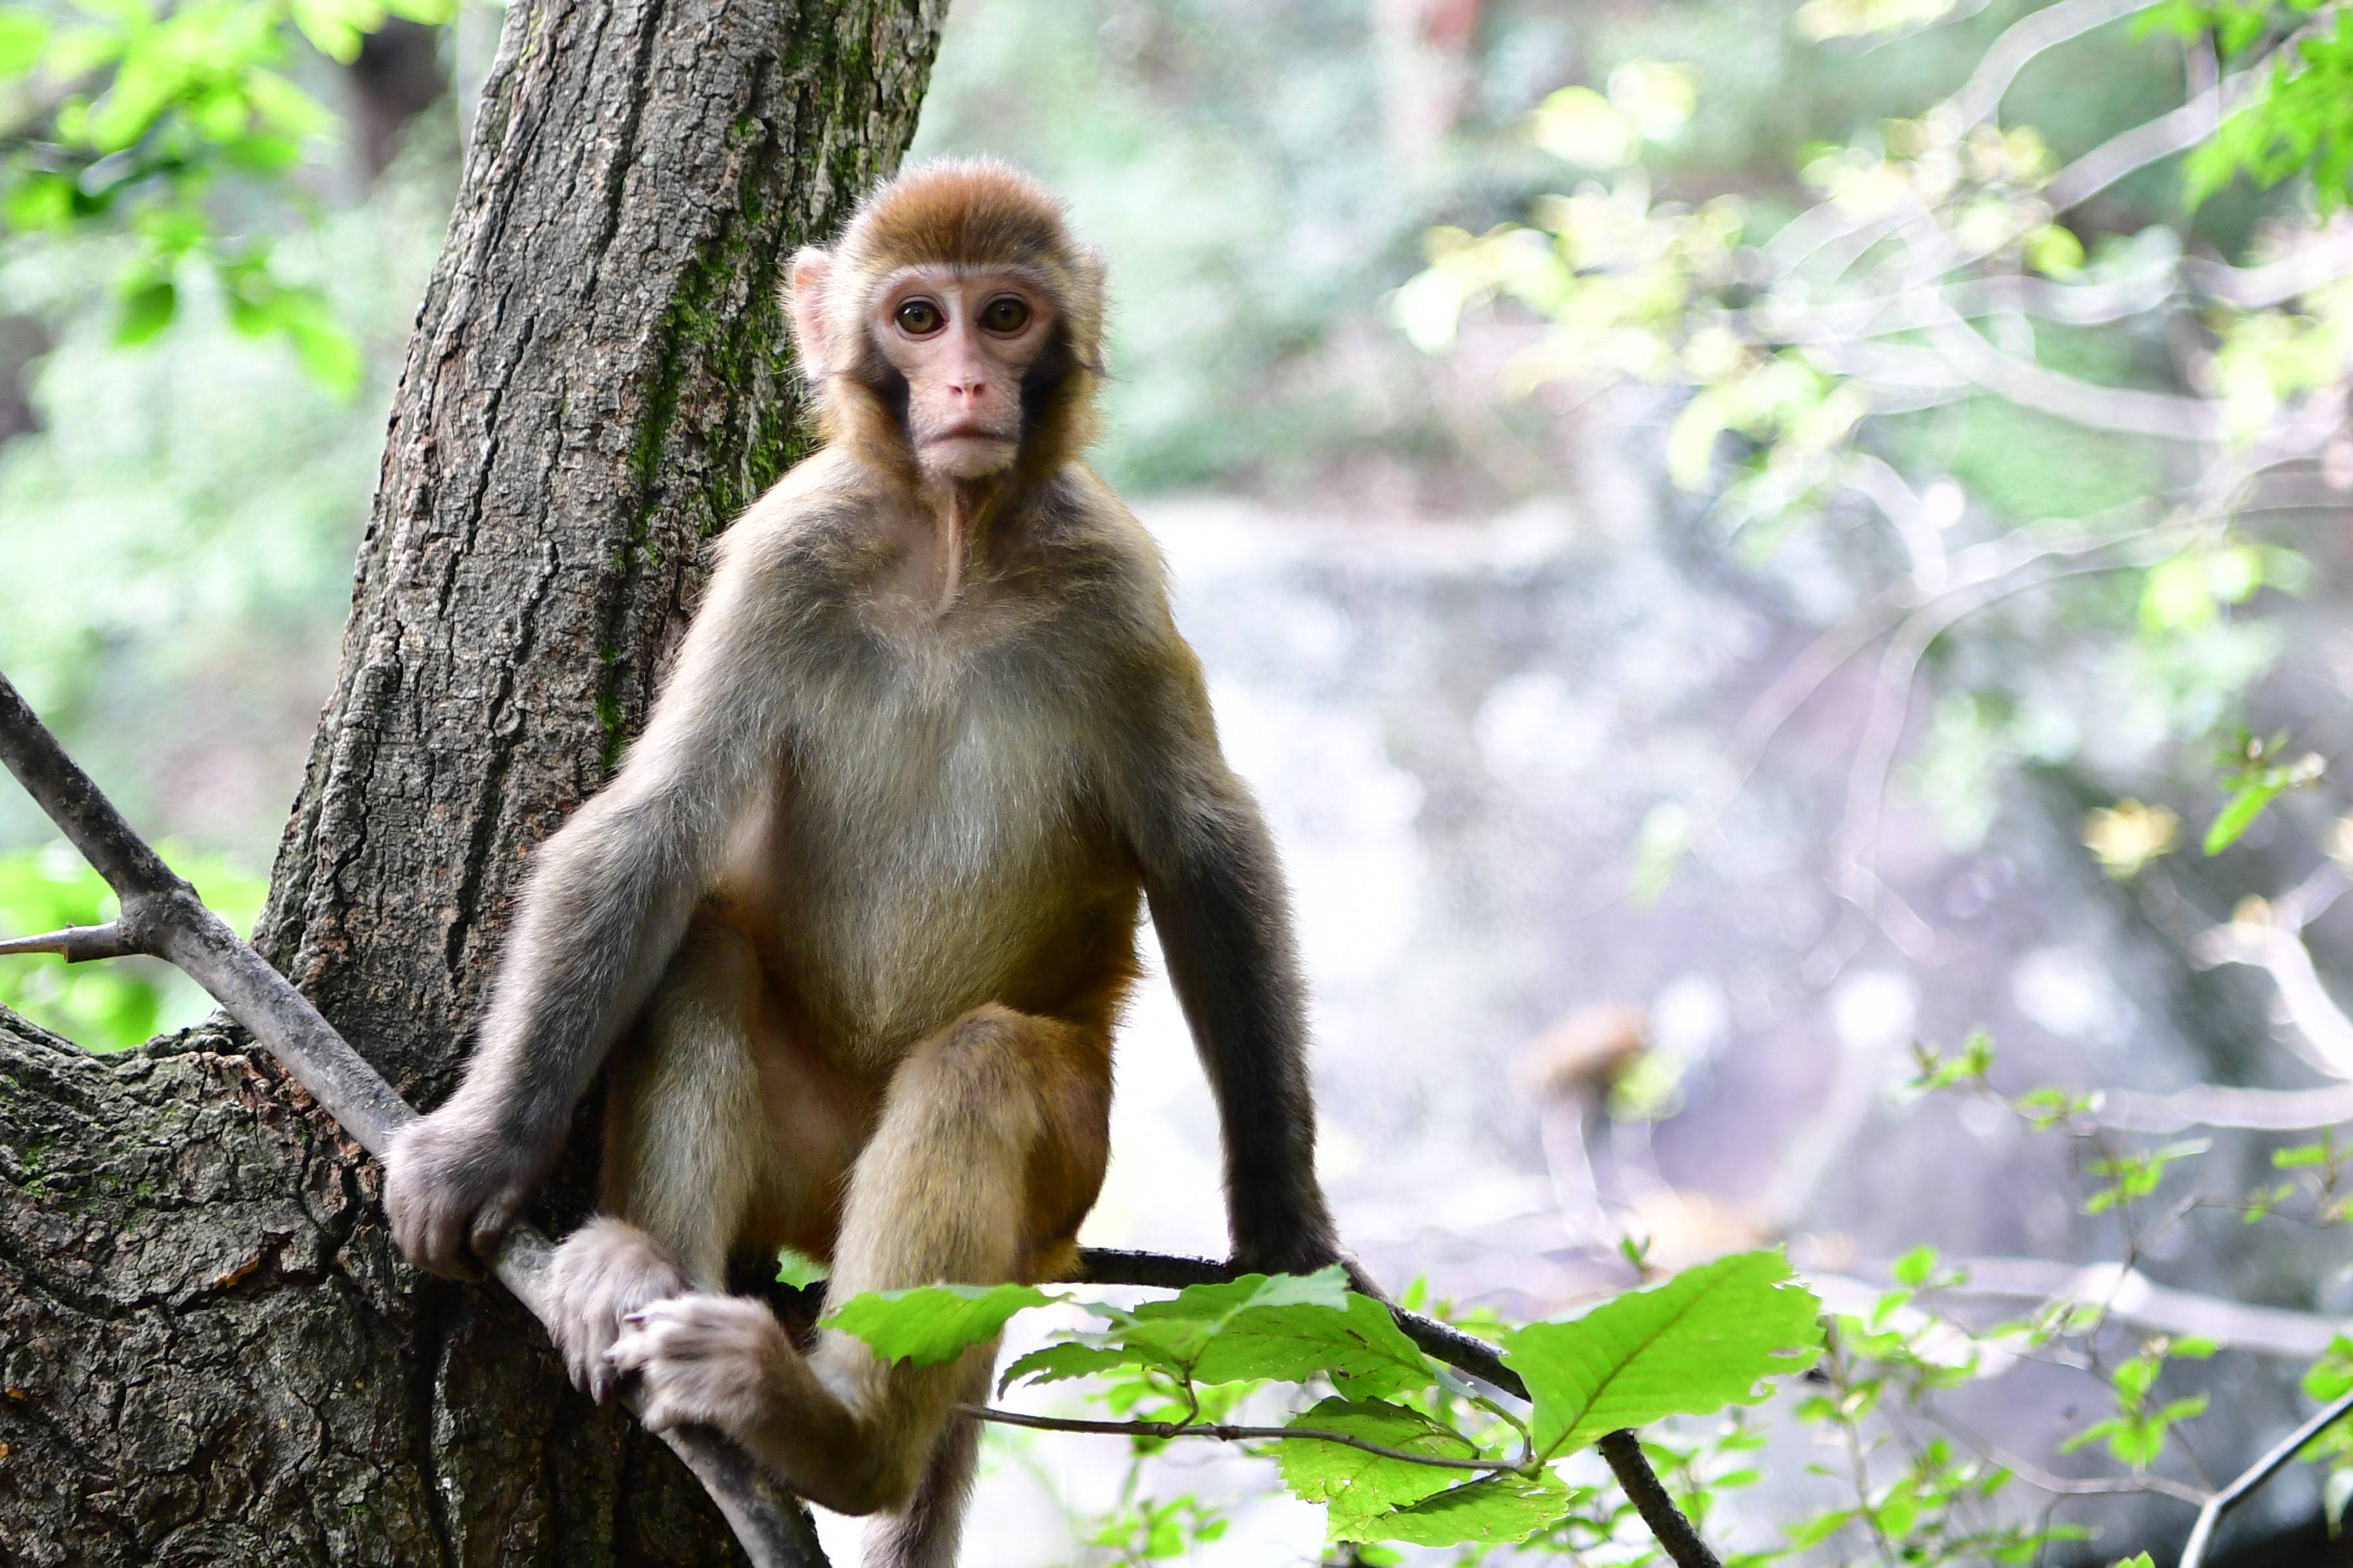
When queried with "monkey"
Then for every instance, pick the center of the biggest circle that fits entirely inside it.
(857, 915)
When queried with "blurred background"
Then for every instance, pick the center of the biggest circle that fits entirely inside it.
(1744, 546)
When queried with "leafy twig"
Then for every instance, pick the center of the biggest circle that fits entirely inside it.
(1224, 1432)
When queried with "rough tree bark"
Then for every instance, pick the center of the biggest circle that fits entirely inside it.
(207, 1353)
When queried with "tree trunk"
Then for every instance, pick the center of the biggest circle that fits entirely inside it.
(208, 1353)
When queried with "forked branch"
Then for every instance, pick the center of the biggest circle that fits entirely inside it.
(162, 918)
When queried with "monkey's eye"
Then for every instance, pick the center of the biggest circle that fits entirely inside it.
(920, 317)
(1005, 314)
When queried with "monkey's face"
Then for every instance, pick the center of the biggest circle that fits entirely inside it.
(965, 341)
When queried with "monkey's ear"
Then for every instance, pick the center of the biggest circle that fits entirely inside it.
(1087, 313)
(804, 297)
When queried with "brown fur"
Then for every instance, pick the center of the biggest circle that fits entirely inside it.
(860, 909)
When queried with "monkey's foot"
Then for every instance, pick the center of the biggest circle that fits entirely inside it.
(702, 1358)
(605, 1271)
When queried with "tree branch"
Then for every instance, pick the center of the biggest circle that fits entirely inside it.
(162, 916)
(2159, 139)
(2213, 1105)
(2275, 947)
(1981, 95)
(2201, 1534)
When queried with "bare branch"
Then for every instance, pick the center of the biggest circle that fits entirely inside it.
(2211, 1105)
(2254, 288)
(75, 944)
(1981, 95)
(2158, 138)
(2030, 385)
(2276, 949)
(2201, 1534)
(1223, 1432)
(162, 916)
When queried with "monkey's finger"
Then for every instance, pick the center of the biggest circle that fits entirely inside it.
(630, 1352)
(492, 1222)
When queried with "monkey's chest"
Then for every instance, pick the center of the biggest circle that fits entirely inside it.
(932, 857)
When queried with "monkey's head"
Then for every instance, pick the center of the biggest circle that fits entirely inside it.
(955, 330)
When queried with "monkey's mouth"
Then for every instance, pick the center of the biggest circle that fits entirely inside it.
(971, 432)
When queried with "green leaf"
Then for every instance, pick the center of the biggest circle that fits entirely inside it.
(1182, 1327)
(39, 201)
(932, 1323)
(24, 32)
(1703, 1339)
(1070, 1359)
(1356, 1485)
(1362, 1345)
(1499, 1509)
(2238, 813)
(327, 350)
(799, 1269)
(147, 310)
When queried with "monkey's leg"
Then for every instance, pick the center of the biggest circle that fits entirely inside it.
(924, 1533)
(687, 1145)
(989, 1151)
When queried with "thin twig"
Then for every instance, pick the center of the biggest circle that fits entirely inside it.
(1224, 1433)
(2201, 1534)
(75, 944)
(2042, 1480)
(161, 917)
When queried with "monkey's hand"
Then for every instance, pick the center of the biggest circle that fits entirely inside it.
(714, 1361)
(452, 1185)
(604, 1272)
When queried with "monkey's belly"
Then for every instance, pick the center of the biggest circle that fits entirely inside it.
(877, 955)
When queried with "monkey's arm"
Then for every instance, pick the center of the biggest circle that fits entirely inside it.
(606, 902)
(1219, 907)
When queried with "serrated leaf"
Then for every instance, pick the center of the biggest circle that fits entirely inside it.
(1362, 1344)
(1181, 1329)
(1354, 1485)
(1499, 1509)
(1703, 1339)
(932, 1323)
(1068, 1359)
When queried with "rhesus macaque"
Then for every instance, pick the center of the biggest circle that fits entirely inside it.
(859, 909)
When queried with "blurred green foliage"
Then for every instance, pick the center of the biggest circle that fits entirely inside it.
(115, 1003)
(179, 533)
(133, 116)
